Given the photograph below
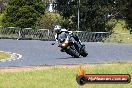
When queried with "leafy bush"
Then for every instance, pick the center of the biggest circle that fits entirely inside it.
(1, 16)
(49, 20)
(23, 13)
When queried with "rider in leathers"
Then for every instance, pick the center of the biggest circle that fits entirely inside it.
(68, 35)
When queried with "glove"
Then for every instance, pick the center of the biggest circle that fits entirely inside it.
(53, 44)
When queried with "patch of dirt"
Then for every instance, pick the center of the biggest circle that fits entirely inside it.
(32, 68)
(24, 68)
(47, 67)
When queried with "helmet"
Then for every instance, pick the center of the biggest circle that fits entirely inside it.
(64, 30)
(57, 28)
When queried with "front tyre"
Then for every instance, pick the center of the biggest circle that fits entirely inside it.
(73, 52)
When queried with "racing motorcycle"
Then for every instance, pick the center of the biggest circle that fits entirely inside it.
(72, 49)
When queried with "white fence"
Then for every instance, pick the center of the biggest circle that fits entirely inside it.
(45, 34)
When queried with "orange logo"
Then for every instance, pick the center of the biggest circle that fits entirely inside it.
(83, 78)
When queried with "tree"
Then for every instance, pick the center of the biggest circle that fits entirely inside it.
(93, 13)
(23, 13)
(49, 20)
(128, 13)
(122, 9)
(3, 4)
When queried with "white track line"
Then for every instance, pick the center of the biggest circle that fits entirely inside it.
(14, 56)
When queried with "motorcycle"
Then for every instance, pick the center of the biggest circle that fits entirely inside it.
(72, 49)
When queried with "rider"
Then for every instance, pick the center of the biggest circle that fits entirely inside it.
(63, 32)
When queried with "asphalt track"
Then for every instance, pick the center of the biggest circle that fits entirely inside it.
(35, 52)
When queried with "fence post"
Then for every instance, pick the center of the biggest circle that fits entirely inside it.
(19, 34)
(48, 32)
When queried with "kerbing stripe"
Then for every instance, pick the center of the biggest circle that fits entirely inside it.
(14, 56)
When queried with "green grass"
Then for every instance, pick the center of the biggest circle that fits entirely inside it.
(56, 77)
(120, 33)
(4, 55)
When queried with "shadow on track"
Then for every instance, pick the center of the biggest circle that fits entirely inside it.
(67, 58)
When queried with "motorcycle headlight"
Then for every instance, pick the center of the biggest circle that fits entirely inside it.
(63, 44)
(66, 41)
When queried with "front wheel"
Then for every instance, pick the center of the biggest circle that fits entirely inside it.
(73, 52)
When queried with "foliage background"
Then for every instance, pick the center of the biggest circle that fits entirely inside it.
(94, 15)
(23, 13)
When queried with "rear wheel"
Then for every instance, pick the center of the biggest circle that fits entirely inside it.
(84, 53)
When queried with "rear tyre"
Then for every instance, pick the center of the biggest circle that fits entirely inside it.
(84, 53)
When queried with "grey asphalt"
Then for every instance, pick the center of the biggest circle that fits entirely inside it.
(35, 52)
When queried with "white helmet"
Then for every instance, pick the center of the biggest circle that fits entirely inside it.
(57, 28)
(64, 30)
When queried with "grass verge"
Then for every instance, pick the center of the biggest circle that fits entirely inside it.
(120, 33)
(4, 55)
(61, 77)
